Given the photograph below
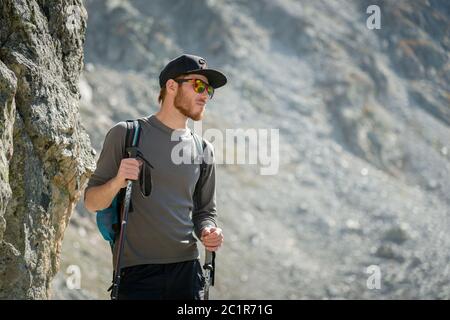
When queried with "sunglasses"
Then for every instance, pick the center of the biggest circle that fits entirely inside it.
(199, 86)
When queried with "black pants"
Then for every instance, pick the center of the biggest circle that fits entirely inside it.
(173, 281)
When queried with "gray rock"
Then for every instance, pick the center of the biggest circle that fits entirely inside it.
(390, 252)
(45, 155)
(397, 234)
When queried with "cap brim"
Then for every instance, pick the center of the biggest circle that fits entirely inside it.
(215, 78)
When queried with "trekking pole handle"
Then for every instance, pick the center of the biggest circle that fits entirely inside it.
(132, 152)
(208, 258)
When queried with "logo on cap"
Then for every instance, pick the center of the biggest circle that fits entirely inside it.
(202, 63)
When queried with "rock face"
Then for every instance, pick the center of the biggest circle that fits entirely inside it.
(45, 154)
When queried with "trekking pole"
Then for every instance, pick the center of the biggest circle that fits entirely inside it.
(132, 152)
(209, 267)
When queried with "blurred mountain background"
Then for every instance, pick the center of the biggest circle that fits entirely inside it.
(364, 122)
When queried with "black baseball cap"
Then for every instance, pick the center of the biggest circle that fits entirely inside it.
(189, 64)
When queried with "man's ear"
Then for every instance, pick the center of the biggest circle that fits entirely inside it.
(171, 86)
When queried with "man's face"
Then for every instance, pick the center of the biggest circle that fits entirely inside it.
(190, 103)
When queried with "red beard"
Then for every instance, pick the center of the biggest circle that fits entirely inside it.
(180, 104)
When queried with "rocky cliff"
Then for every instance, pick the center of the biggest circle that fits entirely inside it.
(45, 153)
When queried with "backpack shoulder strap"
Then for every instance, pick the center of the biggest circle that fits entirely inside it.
(201, 146)
(203, 164)
(131, 140)
(132, 136)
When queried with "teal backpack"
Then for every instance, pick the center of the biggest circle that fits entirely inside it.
(108, 219)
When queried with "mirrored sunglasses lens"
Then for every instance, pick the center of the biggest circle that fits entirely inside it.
(199, 86)
(210, 91)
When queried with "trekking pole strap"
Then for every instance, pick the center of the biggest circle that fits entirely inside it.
(213, 271)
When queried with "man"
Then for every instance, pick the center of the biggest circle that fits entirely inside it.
(160, 256)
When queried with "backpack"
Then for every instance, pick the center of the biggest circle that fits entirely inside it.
(108, 219)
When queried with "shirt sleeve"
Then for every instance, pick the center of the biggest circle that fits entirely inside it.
(204, 212)
(110, 157)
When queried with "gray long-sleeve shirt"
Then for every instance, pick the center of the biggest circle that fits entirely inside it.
(160, 228)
